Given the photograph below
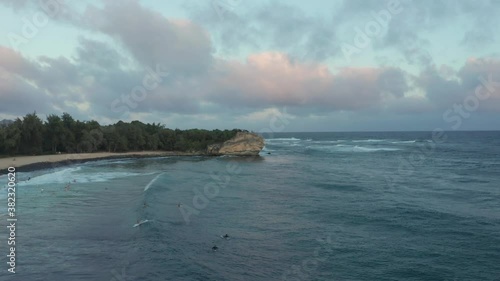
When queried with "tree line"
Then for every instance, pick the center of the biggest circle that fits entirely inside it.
(63, 134)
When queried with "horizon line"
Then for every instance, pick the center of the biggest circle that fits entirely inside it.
(415, 131)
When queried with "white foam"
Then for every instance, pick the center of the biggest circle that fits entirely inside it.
(265, 149)
(373, 149)
(369, 140)
(284, 139)
(350, 148)
(152, 181)
(56, 176)
(75, 174)
(396, 142)
(328, 141)
(111, 161)
(141, 222)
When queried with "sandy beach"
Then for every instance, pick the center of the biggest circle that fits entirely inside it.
(47, 161)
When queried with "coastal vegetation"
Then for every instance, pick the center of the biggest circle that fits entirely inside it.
(63, 134)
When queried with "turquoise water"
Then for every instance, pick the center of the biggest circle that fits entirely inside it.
(321, 206)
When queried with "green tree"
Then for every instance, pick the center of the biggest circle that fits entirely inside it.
(136, 134)
(68, 136)
(152, 142)
(2, 140)
(110, 138)
(54, 130)
(32, 134)
(167, 139)
(97, 138)
(12, 142)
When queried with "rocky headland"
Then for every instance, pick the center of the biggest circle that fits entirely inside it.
(243, 144)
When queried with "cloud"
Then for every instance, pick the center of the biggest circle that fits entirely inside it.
(409, 32)
(14, 62)
(275, 79)
(179, 45)
(445, 91)
(18, 95)
(88, 84)
(99, 54)
(484, 18)
(96, 77)
(275, 26)
(16, 4)
(393, 81)
(249, 64)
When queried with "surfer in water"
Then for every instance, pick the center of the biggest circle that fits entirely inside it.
(214, 248)
(225, 236)
(179, 205)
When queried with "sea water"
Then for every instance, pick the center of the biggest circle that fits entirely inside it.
(313, 206)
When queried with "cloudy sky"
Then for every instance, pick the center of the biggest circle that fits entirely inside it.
(345, 65)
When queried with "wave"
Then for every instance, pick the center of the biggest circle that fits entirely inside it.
(111, 161)
(75, 174)
(328, 141)
(266, 149)
(294, 141)
(284, 139)
(410, 141)
(398, 142)
(152, 181)
(337, 146)
(373, 149)
(63, 175)
(390, 141)
(371, 140)
(350, 148)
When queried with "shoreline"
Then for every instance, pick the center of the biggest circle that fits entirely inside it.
(32, 163)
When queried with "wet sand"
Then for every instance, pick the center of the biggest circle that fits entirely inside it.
(30, 163)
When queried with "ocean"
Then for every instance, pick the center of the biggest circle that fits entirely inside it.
(313, 206)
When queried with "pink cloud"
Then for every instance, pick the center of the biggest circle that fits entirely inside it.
(273, 78)
(12, 61)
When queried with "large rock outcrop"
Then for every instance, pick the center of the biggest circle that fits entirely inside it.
(243, 144)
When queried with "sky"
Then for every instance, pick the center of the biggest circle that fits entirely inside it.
(279, 66)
